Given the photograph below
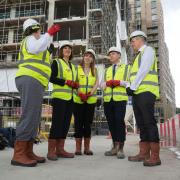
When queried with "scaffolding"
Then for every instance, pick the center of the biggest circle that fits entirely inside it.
(12, 15)
(102, 25)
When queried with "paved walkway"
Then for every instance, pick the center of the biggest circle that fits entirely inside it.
(97, 167)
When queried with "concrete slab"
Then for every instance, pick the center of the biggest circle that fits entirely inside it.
(97, 167)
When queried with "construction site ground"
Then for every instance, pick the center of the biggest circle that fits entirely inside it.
(96, 167)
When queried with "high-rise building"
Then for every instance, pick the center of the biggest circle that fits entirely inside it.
(147, 16)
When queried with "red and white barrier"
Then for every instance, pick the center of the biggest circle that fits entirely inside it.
(168, 131)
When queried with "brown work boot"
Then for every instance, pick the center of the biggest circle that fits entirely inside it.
(78, 146)
(60, 149)
(113, 151)
(120, 153)
(87, 150)
(33, 156)
(144, 152)
(20, 157)
(154, 159)
(52, 150)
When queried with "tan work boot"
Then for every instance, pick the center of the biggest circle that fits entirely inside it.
(78, 146)
(87, 150)
(113, 151)
(120, 153)
(52, 150)
(144, 152)
(33, 156)
(60, 149)
(154, 159)
(20, 157)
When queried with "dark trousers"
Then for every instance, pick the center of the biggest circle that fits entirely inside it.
(115, 112)
(83, 118)
(143, 106)
(61, 118)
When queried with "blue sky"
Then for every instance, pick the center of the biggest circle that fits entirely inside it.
(172, 37)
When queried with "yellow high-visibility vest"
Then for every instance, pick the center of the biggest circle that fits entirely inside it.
(150, 82)
(34, 65)
(86, 84)
(117, 93)
(64, 72)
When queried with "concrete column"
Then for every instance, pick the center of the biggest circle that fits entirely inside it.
(9, 58)
(10, 36)
(51, 12)
(12, 12)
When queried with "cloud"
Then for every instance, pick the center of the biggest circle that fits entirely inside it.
(172, 32)
(171, 5)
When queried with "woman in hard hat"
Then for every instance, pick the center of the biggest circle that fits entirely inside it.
(31, 79)
(63, 78)
(85, 101)
(115, 99)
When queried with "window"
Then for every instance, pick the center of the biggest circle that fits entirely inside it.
(138, 3)
(153, 4)
(138, 9)
(138, 16)
(154, 11)
(154, 17)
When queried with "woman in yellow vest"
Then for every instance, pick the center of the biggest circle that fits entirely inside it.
(115, 99)
(85, 101)
(63, 78)
(31, 79)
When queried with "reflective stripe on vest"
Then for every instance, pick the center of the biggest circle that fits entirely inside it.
(86, 84)
(150, 82)
(117, 93)
(64, 72)
(34, 65)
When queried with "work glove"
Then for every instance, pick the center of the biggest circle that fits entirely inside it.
(129, 91)
(70, 83)
(54, 29)
(76, 85)
(88, 94)
(83, 97)
(109, 83)
(116, 83)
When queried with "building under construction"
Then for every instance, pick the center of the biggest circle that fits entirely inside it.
(96, 24)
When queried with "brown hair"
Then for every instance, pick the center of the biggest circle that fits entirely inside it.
(92, 65)
(60, 53)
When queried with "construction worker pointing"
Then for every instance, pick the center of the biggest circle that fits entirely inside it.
(31, 79)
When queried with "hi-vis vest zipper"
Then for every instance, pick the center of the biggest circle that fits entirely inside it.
(86, 84)
(34, 65)
(117, 93)
(150, 82)
(64, 72)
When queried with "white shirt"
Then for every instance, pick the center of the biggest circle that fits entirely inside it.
(35, 46)
(147, 60)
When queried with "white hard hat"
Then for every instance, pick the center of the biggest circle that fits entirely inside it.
(114, 49)
(65, 43)
(30, 23)
(137, 33)
(90, 51)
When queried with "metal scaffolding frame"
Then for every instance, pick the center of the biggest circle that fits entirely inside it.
(12, 16)
(102, 25)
